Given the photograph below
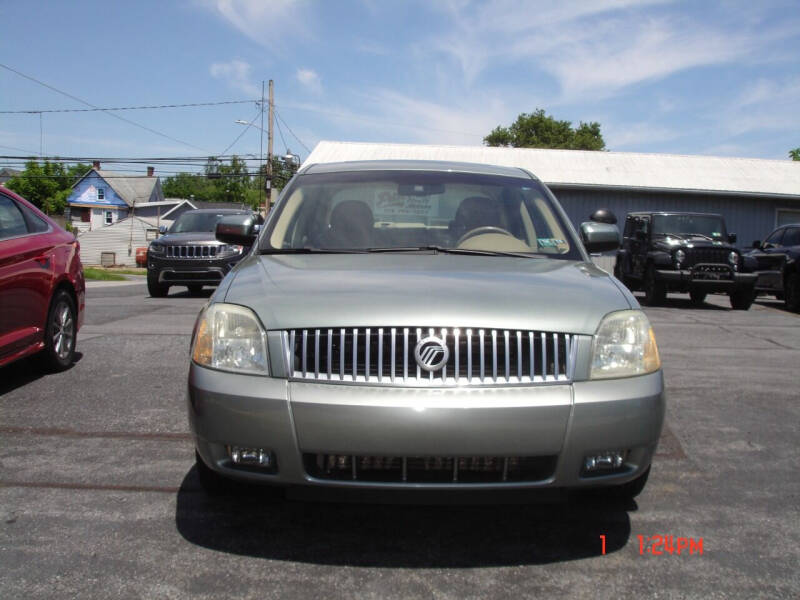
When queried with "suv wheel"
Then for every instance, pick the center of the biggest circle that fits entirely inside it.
(60, 332)
(697, 296)
(156, 289)
(655, 292)
(791, 292)
(742, 299)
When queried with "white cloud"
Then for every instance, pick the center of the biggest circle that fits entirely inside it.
(237, 74)
(625, 136)
(309, 79)
(267, 22)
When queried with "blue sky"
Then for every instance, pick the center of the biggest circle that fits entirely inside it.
(718, 78)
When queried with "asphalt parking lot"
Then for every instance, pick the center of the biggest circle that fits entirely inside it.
(99, 498)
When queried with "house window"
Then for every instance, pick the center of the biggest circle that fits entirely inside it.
(101, 193)
(109, 217)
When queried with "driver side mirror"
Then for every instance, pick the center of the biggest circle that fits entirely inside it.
(599, 237)
(237, 229)
(757, 244)
(732, 238)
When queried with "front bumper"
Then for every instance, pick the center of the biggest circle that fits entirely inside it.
(177, 271)
(563, 422)
(726, 281)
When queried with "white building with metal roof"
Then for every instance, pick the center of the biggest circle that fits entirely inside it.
(754, 195)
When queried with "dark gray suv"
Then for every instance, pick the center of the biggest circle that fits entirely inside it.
(189, 253)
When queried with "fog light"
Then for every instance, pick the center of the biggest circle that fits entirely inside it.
(606, 461)
(251, 457)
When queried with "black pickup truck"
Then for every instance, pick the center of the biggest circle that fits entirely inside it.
(189, 253)
(683, 252)
(778, 268)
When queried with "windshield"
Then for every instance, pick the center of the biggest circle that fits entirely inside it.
(190, 222)
(411, 210)
(709, 226)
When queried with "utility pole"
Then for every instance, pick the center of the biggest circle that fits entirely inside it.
(261, 148)
(268, 202)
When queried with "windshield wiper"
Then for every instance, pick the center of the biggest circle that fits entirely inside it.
(307, 250)
(444, 250)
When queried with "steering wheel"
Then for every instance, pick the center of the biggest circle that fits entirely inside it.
(482, 230)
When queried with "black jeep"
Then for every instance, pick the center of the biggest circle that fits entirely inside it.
(189, 253)
(683, 252)
(779, 265)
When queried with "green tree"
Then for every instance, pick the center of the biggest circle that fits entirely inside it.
(538, 130)
(795, 154)
(48, 184)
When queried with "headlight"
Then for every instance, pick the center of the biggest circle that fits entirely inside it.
(230, 337)
(624, 346)
(733, 258)
(156, 248)
(226, 249)
(680, 256)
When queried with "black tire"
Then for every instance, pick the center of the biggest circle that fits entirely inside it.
(212, 482)
(60, 333)
(156, 289)
(742, 299)
(791, 292)
(195, 290)
(655, 292)
(697, 296)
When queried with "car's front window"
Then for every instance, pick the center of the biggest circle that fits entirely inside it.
(409, 210)
(704, 225)
(190, 222)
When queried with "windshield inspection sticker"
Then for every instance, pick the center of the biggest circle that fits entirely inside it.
(549, 242)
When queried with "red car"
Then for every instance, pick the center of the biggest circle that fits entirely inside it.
(42, 290)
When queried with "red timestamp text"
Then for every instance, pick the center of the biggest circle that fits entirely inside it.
(658, 545)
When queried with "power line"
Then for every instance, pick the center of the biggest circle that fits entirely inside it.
(68, 95)
(238, 137)
(154, 106)
(280, 131)
(292, 132)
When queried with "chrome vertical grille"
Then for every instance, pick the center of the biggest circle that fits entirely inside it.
(192, 251)
(385, 356)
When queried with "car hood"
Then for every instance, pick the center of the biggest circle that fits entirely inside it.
(694, 241)
(188, 238)
(402, 290)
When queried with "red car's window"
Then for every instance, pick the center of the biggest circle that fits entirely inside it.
(12, 222)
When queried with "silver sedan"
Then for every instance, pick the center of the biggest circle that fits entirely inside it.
(423, 325)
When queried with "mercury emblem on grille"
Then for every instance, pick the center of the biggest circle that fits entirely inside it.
(431, 353)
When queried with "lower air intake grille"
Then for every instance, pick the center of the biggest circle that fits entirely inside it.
(429, 469)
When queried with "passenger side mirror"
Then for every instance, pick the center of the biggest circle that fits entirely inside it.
(732, 238)
(162, 229)
(599, 237)
(757, 244)
(237, 229)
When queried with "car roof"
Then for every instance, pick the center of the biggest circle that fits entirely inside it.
(441, 166)
(216, 211)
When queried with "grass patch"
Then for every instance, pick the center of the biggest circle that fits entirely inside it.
(101, 275)
(128, 271)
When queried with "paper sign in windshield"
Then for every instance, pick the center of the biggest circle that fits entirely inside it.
(389, 206)
(550, 242)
